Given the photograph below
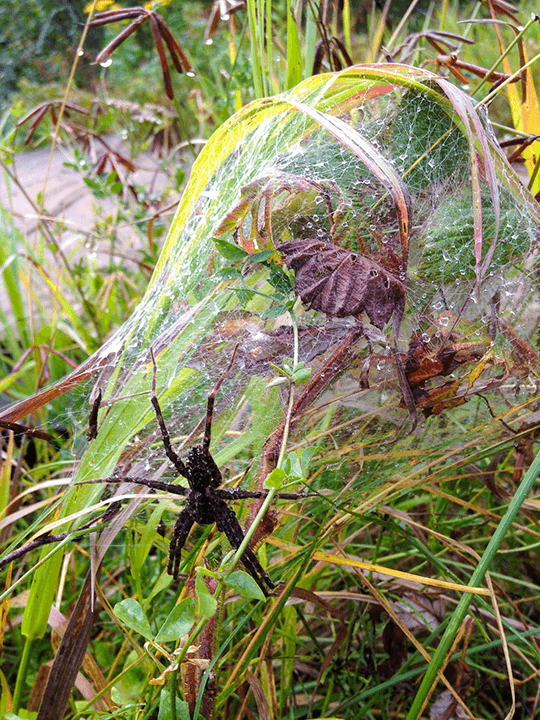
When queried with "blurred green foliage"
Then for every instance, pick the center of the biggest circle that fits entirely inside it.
(38, 41)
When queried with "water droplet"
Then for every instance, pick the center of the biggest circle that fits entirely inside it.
(190, 73)
(209, 42)
(106, 63)
(425, 337)
(80, 53)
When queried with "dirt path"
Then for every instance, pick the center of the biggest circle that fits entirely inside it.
(69, 207)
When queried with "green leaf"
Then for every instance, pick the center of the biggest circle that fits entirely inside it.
(226, 274)
(162, 584)
(245, 585)
(178, 623)
(244, 296)
(93, 184)
(4, 694)
(41, 597)
(206, 602)
(262, 256)
(306, 458)
(292, 466)
(280, 280)
(276, 478)
(131, 614)
(139, 552)
(165, 708)
(275, 311)
(229, 250)
(301, 374)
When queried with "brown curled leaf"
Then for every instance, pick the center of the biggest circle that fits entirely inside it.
(340, 283)
(180, 61)
(160, 32)
(119, 39)
(162, 57)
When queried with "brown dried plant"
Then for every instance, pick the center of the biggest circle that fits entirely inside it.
(39, 112)
(161, 33)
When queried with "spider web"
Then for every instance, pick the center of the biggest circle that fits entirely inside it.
(404, 175)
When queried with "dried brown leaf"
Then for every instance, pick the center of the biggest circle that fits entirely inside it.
(396, 645)
(33, 127)
(119, 39)
(162, 57)
(341, 283)
(109, 16)
(180, 61)
(41, 108)
(260, 697)
(419, 612)
(213, 22)
(25, 430)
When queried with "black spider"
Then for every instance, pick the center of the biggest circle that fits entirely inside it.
(206, 503)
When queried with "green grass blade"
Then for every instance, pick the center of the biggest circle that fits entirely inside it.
(294, 57)
(10, 237)
(461, 610)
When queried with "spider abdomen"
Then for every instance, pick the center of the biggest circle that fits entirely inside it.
(203, 506)
(202, 471)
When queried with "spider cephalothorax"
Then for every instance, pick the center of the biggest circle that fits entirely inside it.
(206, 502)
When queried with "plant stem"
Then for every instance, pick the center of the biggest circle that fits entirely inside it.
(174, 676)
(255, 59)
(499, 60)
(268, 499)
(21, 675)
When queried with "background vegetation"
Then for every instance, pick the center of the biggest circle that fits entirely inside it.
(374, 567)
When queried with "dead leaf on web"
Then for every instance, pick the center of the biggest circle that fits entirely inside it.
(340, 283)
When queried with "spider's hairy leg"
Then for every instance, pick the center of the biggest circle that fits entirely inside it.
(182, 527)
(227, 522)
(92, 431)
(153, 484)
(210, 405)
(173, 457)
(238, 494)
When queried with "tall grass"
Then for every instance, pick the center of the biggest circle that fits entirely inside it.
(382, 604)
